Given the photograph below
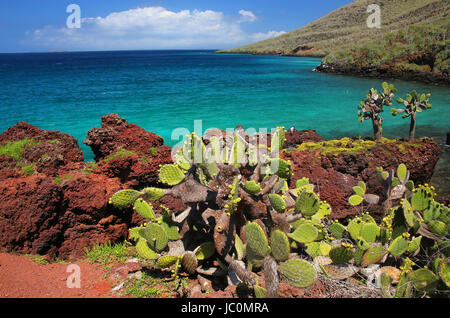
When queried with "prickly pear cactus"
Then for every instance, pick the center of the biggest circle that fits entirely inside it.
(298, 272)
(342, 254)
(257, 242)
(373, 254)
(277, 202)
(156, 236)
(171, 174)
(154, 194)
(144, 209)
(307, 203)
(252, 187)
(189, 262)
(124, 198)
(305, 233)
(280, 246)
(398, 246)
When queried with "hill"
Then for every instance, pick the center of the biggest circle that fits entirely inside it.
(411, 42)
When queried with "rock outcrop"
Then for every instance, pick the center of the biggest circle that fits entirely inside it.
(336, 166)
(55, 204)
(60, 205)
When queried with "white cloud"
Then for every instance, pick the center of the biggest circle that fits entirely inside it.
(247, 16)
(152, 28)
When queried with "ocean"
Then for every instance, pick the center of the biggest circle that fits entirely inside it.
(164, 90)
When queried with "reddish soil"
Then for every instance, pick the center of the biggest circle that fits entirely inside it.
(21, 277)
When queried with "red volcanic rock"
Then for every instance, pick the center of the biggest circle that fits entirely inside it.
(116, 133)
(63, 208)
(136, 170)
(29, 213)
(296, 137)
(334, 174)
(333, 186)
(49, 151)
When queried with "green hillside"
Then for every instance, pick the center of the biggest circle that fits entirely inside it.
(417, 27)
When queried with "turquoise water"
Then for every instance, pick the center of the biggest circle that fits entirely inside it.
(164, 90)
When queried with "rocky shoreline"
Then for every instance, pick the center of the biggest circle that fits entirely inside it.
(385, 73)
(55, 204)
(373, 72)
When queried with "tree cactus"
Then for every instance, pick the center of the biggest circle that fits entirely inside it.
(372, 106)
(414, 103)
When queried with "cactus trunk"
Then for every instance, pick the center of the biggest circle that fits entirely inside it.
(412, 126)
(376, 123)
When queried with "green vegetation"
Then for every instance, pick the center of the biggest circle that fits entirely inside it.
(39, 259)
(108, 253)
(60, 179)
(89, 168)
(413, 37)
(120, 153)
(414, 103)
(343, 145)
(417, 48)
(148, 286)
(28, 170)
(372, 106)
(14, 149)
(412, 237)
(153, 151)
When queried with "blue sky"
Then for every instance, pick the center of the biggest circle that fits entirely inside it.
(38, 25)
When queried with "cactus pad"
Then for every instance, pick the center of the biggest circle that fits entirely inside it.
(301, 182)
(252, 187)
(166, 261)
(337, 230)
(305, 233)
(279, 244)
(313, 249)
(402, 172)
(205, 251)
(444, 271)
(341, 254)
(169, 226)
(134, 233)
(124, 198)
(256, 240)
(414, 245)
(277, 202)
(144, 209)
(260, 292)
(354, 228)
(280, 167)
(189, 262)
(298, 272)
(154, 194)
(307, 203)
(421, 198)
(355, 200)
(423, 279)
(373, 254)
(438, 227)
(369, 232)
(408, 213)
(171, 174)
(145, 251)
(398, 246)
(239, 247)
(156, 236)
